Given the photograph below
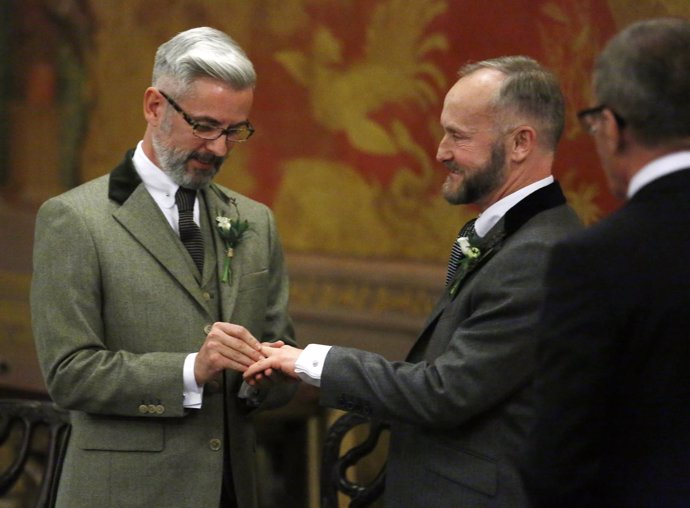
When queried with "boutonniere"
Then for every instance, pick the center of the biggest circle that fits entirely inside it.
(471, 256)
(231, 232)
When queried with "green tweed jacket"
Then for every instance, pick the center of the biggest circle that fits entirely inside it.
(116, 308)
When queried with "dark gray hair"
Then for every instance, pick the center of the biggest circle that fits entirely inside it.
(643, 75)
(199, 53)
(529, 91)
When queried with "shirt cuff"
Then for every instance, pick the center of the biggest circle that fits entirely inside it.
(193, 393)
(309, 364)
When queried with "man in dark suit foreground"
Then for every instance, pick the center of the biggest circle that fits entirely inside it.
(460, 406)
(143, 337)
(613, 382)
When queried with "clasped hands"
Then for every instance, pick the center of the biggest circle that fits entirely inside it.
(230, 346)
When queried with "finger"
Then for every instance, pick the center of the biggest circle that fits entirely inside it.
(269, 351)
(231, 346)
(257, 368)
(239, 332)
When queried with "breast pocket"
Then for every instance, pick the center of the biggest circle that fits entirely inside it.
(253, 281)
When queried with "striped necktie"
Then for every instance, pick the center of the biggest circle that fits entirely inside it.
(190, 233)
(456, 254)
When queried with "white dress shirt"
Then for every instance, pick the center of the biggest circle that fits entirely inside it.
(657, 168)
(309, 364)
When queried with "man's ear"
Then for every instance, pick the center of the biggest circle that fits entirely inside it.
(154, 106)
(612, 136)
(522, 141)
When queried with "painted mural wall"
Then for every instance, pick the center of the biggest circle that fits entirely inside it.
(347, 112)
(347, 104)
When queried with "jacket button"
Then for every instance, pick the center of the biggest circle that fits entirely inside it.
(207, 329)
(143, 409)
(160, 409)
(151, 408)
(206, 296)
(214, 444)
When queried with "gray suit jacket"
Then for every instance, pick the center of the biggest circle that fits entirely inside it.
(116, 308)
(460, 407)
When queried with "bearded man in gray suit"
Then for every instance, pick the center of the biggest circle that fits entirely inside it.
(460, 405)
(142, 337)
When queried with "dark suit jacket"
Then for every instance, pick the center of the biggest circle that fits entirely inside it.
(116, 309)
(460, 406)
(614, 371)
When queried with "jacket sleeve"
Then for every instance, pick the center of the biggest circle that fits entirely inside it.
(67, 299)
(487, 343)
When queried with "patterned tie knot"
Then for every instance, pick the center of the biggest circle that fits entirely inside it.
(456, 253)
(184, 199)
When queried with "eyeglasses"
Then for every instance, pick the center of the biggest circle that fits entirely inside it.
(588, 116)
(238, 133)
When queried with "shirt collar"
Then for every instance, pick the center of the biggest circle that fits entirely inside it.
(657, 168)
(159, 184)
(489, 217)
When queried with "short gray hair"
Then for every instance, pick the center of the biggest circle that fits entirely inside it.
(530, 91)
(643, 75)
(199, 53)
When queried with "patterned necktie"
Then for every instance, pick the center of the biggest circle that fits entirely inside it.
(190, 233)
(456, 254)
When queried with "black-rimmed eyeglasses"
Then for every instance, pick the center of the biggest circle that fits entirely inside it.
(587, 118)
(237, 133)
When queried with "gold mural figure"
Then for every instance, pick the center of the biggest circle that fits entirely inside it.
(571, 61)
(624, 13)
(347, 214)
(582, 197)
(391, 71)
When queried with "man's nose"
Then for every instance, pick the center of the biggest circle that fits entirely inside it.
(442, 152)
(220, 146)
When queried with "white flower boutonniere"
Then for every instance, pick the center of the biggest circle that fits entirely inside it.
(467, 250)
(231, 232)
(470, 257)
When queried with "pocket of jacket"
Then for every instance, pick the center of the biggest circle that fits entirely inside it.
(466, 468)
(117, 434)
(253, 280)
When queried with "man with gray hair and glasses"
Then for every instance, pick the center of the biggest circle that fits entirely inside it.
(149, 286)
(613, 385)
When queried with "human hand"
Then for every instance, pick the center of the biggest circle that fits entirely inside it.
(227, 346)
(280, 359)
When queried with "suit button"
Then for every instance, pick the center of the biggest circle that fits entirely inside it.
(207, 329)
(206, 296)
(151, 408)
(143, 409)
(160, 409)
(214, 444)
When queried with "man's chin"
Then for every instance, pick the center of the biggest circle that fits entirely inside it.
(197, 179)
(453, 192)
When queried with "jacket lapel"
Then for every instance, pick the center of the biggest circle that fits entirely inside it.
(539, 201)
(140, 216)
(219, 203)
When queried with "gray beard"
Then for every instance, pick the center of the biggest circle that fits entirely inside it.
(173, 162)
